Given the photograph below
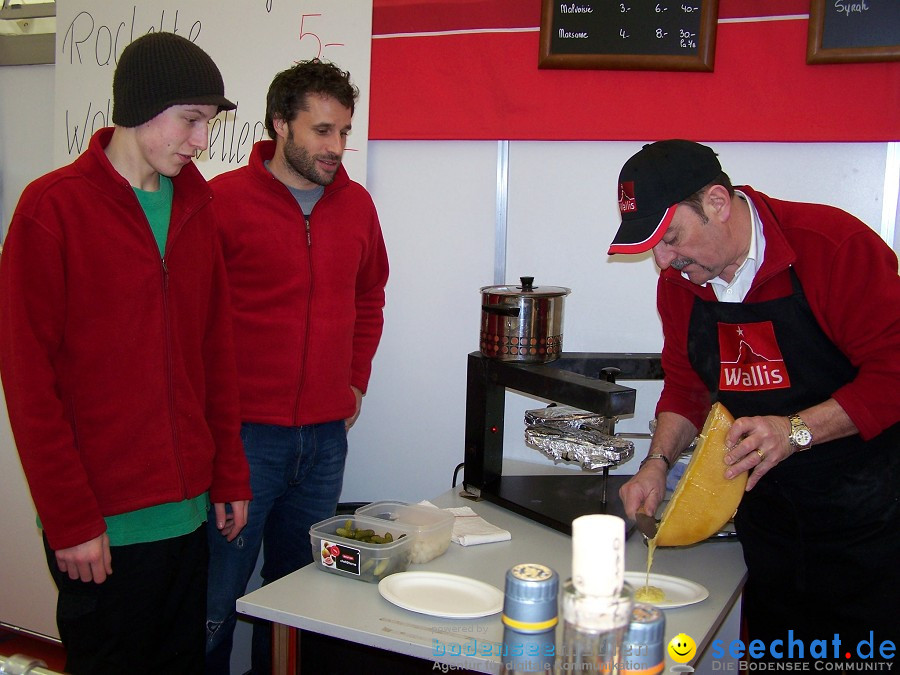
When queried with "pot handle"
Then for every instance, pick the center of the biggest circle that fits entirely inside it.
(502, 310)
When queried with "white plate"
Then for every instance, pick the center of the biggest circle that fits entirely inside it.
(679, 592)
(439, 594)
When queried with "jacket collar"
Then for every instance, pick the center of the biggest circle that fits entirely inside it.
(264, 150)
(95, 166)
(778, 256)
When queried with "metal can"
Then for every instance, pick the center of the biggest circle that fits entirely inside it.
(530, 603)
(530, 616)
(643, 650)
(522, 323)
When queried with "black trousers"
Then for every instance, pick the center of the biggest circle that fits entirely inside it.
(149, 616)
(822, 547)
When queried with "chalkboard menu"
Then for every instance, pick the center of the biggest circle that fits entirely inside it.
(847, 31)
(628, 34)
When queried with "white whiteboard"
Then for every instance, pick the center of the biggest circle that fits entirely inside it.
(250, 41)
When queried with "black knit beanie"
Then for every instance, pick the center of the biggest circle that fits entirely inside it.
(160, 70)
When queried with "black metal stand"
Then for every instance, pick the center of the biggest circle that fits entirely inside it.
(579, 379)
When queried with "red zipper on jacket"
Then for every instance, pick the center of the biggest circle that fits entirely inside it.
(169, 374)
(167, 327)
(170, 377)
(308, 314)
(306, 220)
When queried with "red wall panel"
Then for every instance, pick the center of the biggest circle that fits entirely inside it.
(467, 69)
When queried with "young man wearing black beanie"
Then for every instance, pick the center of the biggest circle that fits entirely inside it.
(117, 361)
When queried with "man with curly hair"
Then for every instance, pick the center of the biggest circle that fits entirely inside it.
(307, 266)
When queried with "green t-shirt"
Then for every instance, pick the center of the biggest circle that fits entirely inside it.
(155, 523)
(158, 209)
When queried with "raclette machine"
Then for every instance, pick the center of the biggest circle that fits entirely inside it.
(585, 380)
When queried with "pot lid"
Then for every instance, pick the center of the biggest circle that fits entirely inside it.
(527, 287)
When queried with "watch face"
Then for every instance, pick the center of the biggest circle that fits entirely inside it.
(802, 437)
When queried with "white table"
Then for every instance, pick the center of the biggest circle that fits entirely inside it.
(329, 604)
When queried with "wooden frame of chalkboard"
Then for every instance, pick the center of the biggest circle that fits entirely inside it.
(628, 34)
(852, 26)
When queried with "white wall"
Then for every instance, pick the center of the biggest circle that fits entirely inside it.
(27, 593)
(26, 131)
(437, 205)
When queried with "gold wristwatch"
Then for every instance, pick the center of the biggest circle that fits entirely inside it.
(801, 437)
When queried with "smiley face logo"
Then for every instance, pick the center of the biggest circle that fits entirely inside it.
(682, 648)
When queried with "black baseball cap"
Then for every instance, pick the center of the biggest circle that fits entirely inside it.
(652, 184)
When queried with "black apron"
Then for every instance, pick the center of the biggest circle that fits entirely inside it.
(821, 530)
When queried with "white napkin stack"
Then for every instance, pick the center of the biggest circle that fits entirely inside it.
(470, 529)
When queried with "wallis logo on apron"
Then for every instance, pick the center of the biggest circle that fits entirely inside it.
(750, 358)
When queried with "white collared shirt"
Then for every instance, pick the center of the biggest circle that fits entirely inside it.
(740, 284)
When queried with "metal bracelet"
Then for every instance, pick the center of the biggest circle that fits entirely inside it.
(656, 455)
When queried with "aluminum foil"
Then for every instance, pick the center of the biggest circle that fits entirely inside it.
(593, 449)
(562, 417)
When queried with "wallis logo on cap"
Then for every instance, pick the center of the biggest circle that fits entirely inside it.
(626, 197)
(750, 358)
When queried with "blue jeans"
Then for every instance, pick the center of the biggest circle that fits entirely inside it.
(296, 474)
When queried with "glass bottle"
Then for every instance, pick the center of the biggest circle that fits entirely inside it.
(596, 601)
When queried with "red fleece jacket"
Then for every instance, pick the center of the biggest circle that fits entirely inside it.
(308, 310)
(118, 367)
(849, 277)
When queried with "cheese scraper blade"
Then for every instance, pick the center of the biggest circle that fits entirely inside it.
(646, 524)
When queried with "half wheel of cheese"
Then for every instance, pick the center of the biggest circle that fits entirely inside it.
(704, 500)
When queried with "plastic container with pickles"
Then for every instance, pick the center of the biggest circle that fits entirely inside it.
(360, 547)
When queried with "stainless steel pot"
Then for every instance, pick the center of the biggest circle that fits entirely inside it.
(522, 323)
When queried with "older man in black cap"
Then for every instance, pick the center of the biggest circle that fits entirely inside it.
(789, 314)
(118, 366)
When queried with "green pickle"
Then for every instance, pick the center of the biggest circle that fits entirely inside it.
(366, 536)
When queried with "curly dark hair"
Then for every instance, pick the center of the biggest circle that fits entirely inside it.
(288, 91)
